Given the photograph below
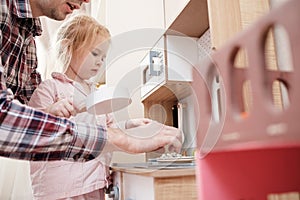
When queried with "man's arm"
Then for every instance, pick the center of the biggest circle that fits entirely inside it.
(29, 134)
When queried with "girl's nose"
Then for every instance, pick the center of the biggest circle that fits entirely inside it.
(99, 63)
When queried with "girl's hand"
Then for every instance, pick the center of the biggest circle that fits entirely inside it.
(132, 123)
(62, 108)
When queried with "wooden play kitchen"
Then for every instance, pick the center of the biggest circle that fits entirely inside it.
(248, 146)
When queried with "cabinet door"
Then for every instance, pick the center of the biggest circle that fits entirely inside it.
(226, 18)
(181, 57)
(138, 187)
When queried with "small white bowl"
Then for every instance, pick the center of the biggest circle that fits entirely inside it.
(107, 99)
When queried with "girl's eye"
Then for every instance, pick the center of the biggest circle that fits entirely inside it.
(95, 53)
(99, 55)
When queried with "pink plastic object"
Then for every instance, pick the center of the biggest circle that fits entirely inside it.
(249, 156)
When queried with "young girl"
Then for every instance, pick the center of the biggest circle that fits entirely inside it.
(82, 45)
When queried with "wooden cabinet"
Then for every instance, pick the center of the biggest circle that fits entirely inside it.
(163, 184)
(223, 19)
(185, 23)
(227, 18)
(187, 19)
(168, 63)
(192, 18)
(224, 26)
(167, 75)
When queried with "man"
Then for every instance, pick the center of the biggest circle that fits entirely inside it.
(28, 134)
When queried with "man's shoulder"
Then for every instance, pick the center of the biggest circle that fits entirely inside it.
(12, 7)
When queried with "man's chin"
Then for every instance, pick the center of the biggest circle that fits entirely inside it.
(60, 17)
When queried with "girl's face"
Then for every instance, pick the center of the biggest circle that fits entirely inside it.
(87, 64)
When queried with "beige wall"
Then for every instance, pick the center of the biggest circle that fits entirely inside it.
(135, 26)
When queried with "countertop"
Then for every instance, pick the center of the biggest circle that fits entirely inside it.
(156, 170)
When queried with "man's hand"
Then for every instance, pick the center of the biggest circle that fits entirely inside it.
(145, 138)
(132, 123)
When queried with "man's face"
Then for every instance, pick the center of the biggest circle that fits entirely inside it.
(57, 9)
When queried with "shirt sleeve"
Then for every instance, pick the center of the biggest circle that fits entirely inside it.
(30, 134)
(34, 77)
(43, 96)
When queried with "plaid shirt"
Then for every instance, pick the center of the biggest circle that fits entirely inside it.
(24, 132)
(18, 50)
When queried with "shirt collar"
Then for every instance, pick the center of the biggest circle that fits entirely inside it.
(22, 10)
(61, 77)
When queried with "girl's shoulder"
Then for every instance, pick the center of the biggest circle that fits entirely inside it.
(57, 80)
(61, 77)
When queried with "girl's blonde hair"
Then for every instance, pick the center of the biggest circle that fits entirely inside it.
(77, 34)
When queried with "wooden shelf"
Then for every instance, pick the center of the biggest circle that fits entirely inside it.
(169, 92)
(192, 21)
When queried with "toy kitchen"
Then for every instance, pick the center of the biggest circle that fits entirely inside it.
(260, 133)
(167, 95)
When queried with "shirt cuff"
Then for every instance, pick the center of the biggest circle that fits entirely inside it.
(88, 142)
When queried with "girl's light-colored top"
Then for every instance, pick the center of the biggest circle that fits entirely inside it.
(61, 179)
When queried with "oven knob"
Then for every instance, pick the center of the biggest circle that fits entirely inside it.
(114, 193)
